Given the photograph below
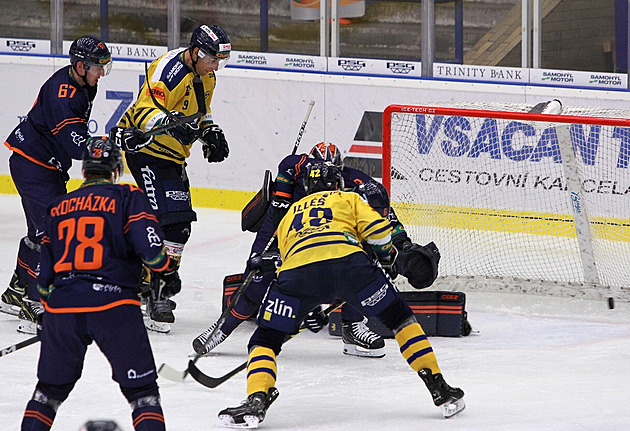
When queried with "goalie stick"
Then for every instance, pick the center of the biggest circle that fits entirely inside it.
(303, 127)
(171, 373)
(18, 346)
(213, 382)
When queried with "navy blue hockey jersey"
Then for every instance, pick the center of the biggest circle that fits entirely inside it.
(96, 240)
(55, 130)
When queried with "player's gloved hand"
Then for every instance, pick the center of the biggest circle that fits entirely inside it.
(185, 133)
(168, 281)
(389, 263)
(316, 320)
(214, 145)
(265, 262)
(129, 139)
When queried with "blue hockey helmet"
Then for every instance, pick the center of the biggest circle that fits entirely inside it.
(102, 156)
(327, 152)
(92, 52)
(213, 41)
(322, 176)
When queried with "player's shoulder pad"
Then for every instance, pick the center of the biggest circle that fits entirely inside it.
(170, 70)
(131, 187)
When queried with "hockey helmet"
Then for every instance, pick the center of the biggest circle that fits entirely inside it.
(322, 176)
(92, 52)
(213, 41)
(327, 152)
(102, 156)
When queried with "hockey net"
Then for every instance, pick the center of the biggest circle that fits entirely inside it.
(515, 200)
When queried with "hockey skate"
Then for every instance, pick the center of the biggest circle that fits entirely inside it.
(449, 399)
(159, 315)
(29, 314)
(359, 340)
(250, 413)
(11, 302)
(202, 345)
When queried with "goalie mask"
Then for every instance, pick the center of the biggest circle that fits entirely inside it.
(101, 156)
(213, 41)
(327, 152)
(94, 54)
(322, 176)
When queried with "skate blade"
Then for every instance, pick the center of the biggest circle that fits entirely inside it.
(13, 310)
(227, 421)
(451, 408)
(353, 350)
(161, 327)
(27, 327)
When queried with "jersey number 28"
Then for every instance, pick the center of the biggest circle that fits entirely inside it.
(88, 253)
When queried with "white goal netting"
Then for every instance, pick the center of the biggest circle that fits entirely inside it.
(515, 200)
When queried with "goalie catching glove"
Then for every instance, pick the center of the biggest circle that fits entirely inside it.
(214, 145)
(419, 263)
(129, 139)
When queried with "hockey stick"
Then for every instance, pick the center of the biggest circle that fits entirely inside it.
(18, 346)
(303, 127)
(171, 373)
(175, 121)
(213, 382)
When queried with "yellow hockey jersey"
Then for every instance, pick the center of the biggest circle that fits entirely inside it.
(171, 84)
(330, 225)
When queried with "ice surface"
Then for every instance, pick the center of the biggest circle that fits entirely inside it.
(537, 363)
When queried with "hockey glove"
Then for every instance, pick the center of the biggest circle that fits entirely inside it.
(266, 263)
(389, 263)
(316, 320)
(185, 134)
(167, 283)
(215, 147)
(129, 139)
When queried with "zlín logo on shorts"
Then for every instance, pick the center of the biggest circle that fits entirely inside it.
(279, 308)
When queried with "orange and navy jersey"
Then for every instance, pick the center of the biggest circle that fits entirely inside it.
(330, 225)
(95, 242)
(170, 82)
(55, 130)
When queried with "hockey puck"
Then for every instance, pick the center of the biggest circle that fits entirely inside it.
(611, 303)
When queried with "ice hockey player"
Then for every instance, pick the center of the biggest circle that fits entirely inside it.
(358, 339)
(178, 84)
(319, 238)
(54, 132)
(95, 241)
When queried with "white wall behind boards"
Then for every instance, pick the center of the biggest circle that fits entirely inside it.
(261, 110)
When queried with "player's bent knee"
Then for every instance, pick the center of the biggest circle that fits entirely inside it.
(147, 393)
(267, 337)
(177, 232)
(57, 393)
(395, 314)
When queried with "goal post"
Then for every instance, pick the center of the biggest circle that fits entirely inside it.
(514, 200)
